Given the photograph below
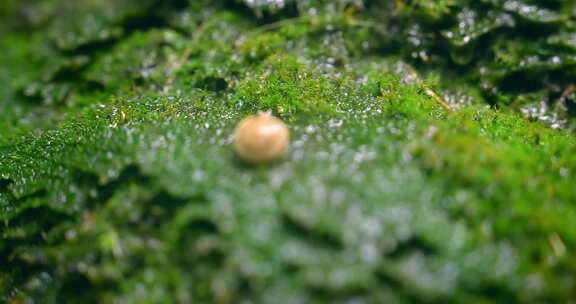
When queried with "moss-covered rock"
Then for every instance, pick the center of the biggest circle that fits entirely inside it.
(401, 185)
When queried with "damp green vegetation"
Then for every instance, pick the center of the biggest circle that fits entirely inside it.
(118, 183)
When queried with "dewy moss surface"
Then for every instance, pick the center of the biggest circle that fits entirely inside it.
(118, 183)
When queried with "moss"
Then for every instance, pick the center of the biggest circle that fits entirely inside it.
(125, 188)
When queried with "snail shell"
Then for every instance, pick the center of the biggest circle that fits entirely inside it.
(261, 138)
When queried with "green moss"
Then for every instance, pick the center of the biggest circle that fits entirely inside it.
(118, 182)
(123, 67)
(292, 90)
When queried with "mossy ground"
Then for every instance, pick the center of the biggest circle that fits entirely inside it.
(118, 183)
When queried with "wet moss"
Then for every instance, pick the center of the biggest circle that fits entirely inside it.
(118, 182)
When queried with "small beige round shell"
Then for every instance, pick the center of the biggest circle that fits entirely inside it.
(261, 138)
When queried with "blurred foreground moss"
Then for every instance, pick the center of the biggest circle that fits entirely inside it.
(118, 184)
